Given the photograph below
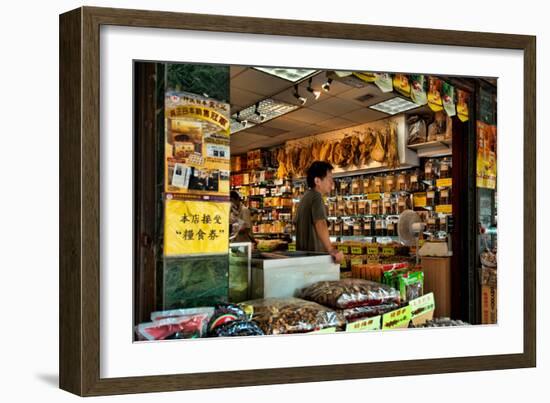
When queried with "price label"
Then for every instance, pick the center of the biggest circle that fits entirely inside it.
(422, 305)
(373, 196)
(444, 208)
(397, 319)
(292, 247)
(364, 324)
(356, 250)
(419, 200)
(372, 250)
(388, 251)
(355, 261)
(444, 183)
(343, 248)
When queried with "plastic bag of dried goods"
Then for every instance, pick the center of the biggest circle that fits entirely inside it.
(238, 328)
(224, 313)
(293, 315)
(173, 313)
(368, 311)
(349, 293)
(180, 327)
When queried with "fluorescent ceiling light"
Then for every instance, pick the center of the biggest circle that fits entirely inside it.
(266, 109)
(291, 75)
(394, 105)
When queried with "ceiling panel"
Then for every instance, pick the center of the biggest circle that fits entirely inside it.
(371, 91)
(258, 82)
(244, 138)
(285, 123)
(305, 131)
(243, 98)
(308, 115)
(264, 130)
(236, 70)
(334, 106)
(364, 115)
(336, 123)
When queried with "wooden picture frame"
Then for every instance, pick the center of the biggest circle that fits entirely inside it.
(80, 184)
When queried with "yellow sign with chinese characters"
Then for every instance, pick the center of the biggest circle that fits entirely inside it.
(192, 227)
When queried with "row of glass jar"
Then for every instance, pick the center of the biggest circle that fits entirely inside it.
(348, 207)
(379, 226)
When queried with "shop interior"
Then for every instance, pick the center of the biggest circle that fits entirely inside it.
(406, 193)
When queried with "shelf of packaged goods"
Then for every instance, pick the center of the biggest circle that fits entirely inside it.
(270, 208)
(367, 195)
(334, 217)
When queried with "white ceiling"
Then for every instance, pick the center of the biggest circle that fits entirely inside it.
(337, 109)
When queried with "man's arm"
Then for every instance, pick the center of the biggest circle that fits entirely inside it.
(321, 229)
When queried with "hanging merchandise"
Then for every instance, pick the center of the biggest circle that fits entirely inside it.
(402, 85)
(418, 89)
(365, 76)
(384, 82)
(449, 99)
(434, 94)
(462, 105)
(197, 146)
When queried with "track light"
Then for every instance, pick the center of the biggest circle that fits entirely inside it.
(300, 99)
(326, 85)
(261, 116)
(243, 122)
(316, 93)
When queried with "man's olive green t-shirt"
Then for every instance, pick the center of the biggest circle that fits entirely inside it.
(310, 209)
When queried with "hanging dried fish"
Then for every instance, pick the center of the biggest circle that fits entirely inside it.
(355, 142)
(393, 154)
(347, 152)
(366, 146)
(378, 152)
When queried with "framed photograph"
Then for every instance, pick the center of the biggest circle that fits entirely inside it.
(249, 201)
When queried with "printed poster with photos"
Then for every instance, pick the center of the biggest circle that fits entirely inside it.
(196, 147)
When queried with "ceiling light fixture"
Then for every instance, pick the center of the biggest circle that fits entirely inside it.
(394, 105)
(316, 93)
(261, 116)
(326, 85)
(300, 99)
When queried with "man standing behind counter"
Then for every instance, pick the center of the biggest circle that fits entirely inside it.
(311, 217)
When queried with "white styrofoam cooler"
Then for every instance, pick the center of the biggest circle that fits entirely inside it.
(280, 278)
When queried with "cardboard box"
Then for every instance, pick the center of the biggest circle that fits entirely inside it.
(437, 279)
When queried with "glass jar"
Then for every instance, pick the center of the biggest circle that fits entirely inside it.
(430, 196)
(389, 183)
(432, 225)
(387, 206)
(361, 207)
(429, 170)
(401, 204)
(414, 185)
(368, 226)
(445, 168)
(378, 186)
(358, 227)
(357, 185)
(380, 227)
(445, 196)
(402, 182)
(391, 228)
(443, 223)
(374, 207)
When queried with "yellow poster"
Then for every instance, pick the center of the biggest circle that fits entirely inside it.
(197, 145)
(192, 227)
(486, 166)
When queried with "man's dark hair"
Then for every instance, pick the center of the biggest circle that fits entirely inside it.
(234, 196)
(318, 169)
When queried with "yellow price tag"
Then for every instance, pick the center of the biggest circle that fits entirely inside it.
(372, 251)
(444, 208)
(419, 200)
(388, 251)
(356, 250)
(373, 196)
(444, 183)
